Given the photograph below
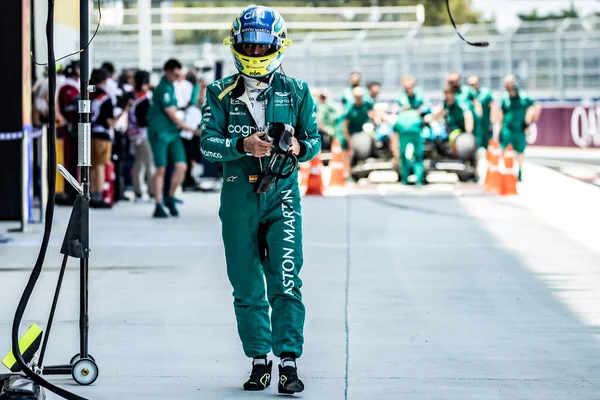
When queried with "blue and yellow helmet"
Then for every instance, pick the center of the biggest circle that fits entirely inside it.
(258, 25)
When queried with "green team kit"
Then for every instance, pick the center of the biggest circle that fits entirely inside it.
(455, 115)
(411, 102)
(466, 96)
(273, 218)
(513, 124)
(347, 98)
(356, 116)
(409, 127)
(485, 97)
(163, 134)
(328, 114)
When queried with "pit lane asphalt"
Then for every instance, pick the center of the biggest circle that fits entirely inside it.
(431, 293)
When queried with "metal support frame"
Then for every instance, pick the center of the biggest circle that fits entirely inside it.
(76, 240)
(85, 164)
(356, 56)
(558, 46)
(144, 35)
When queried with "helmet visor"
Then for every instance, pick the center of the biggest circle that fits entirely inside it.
(253, 37)
(255, 50)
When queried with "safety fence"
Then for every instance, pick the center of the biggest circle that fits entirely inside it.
(557, 59)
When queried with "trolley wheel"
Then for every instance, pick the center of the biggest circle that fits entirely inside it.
(85, 371)
(77, 357)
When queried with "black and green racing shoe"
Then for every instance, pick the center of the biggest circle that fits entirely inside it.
(289, 383)
(260, 377)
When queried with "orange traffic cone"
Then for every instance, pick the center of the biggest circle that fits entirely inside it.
(509, 179)
(336, 165)
(315, 179)
(493, 178)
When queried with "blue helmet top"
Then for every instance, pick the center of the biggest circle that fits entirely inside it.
(258, 25)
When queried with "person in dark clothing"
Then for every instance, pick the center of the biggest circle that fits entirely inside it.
(138, 135)
(102, 120)
(191, 142)
(127, 80)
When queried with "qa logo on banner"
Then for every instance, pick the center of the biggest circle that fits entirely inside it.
(533, 134)
(585, 126)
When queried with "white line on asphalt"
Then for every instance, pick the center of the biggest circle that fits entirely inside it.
(563, 164)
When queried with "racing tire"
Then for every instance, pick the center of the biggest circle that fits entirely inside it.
(465, 147)
(362, 146)
(465, 177)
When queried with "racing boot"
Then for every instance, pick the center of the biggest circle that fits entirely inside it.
(420, 173)
(160, 212)
(170, 204)
(289, 383)
(260, 377)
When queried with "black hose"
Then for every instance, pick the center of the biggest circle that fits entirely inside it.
(37, 269)
(476, 44)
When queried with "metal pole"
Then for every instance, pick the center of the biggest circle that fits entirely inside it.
(84, 129)
(145, 35)
(25, 171)
(508, 54)
(166, 17)
(558, 49)
(559, 67)
(44, 184)
(84, 147)
(580, 65)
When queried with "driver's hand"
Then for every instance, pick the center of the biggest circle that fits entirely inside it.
(255, 145)
(395, 164)
(295, 146)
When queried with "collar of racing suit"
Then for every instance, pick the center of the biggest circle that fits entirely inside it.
(256, 83)
(255, 99)
(242, 81)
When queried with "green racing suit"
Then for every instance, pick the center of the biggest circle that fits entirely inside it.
(486, 99)
(409, 127)
(262, 234)
(467, 97)
(415, 101)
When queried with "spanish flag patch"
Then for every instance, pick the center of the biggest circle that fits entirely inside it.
(252, 178)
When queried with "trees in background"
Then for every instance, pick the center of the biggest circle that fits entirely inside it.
(435, 10)
(535, 15)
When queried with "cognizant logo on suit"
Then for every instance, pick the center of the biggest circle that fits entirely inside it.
(244, 130)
